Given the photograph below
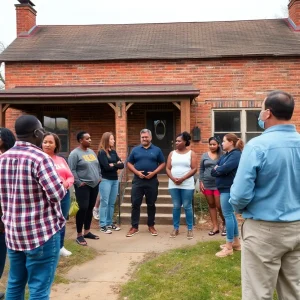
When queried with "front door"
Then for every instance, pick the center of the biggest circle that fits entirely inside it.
(161, 125)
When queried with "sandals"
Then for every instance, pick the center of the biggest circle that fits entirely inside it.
(211, 233)
(81, 241)
(91, 236)
(224, 233)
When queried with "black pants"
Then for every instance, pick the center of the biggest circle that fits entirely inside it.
(86, 199)
(141, 188)
(2, 252)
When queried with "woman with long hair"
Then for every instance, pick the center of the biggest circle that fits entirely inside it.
(51, 145)
(181, 166)
(224, 172)
(7, 141)
(110, 163)
(86, 170)
(208, 184)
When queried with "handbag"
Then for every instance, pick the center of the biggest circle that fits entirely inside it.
(73, 208)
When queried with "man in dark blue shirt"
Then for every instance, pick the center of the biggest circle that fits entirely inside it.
(145, 161)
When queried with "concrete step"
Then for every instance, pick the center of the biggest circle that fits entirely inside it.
(160, 199)
(160, 208)
(161, 219)
(161, 191)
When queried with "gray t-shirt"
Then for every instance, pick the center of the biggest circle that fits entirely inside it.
(85, 167)
(206, 165)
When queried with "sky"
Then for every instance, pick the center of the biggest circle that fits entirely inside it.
(73, 12)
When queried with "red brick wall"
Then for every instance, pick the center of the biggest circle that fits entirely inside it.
(26, 18)
(230, 83)
(294, 11)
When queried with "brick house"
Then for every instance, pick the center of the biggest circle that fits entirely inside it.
(168, 77)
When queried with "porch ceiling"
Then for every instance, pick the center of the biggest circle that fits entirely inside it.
(98, 94)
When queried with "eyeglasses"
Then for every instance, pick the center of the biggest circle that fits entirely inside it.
(42, 130)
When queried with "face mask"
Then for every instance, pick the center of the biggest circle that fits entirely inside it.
(261, 123)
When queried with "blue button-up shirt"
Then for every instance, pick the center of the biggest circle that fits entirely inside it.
(267, 183)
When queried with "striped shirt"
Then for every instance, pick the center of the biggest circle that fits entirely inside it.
(30, 194)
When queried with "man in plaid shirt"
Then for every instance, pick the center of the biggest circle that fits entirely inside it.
(30, 195)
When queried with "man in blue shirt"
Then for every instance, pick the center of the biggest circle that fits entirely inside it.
(145, 161)
(266, 190)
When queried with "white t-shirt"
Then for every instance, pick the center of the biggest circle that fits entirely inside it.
(181, 165)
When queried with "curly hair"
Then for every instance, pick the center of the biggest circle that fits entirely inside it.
(7, 138)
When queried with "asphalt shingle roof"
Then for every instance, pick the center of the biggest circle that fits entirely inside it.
(156, 41)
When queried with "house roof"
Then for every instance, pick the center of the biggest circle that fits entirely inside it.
(76, 94)
(155, 41)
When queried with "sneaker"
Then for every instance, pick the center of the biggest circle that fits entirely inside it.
(64, 252)
(96, 213)
(132, 232)
(234, 247)
(174, 233)
(152, 230)
(114, 227)
(224, 252)
(104, 229)
(190, 235)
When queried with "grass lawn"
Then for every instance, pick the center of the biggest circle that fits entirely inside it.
(187, 274)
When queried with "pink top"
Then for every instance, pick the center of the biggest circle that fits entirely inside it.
(63, 171)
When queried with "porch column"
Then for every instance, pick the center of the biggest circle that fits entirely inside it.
(121, 129)
(185, 115)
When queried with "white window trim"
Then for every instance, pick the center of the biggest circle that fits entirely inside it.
(243, 114)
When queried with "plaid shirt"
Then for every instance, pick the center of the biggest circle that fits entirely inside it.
(30, 195)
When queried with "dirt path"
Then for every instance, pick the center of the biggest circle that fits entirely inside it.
(100, 279)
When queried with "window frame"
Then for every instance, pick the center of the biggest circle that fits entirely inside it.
(243, 120)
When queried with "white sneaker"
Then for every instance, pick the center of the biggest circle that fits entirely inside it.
(96, 213)
(64, 252)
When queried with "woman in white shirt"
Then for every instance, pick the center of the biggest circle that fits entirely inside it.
(181, 166)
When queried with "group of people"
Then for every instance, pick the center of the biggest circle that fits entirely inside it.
(259, 181)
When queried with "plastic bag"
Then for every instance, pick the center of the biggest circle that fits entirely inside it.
(73, 208)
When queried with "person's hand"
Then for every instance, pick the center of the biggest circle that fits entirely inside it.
(215, 167)
(140, 174)
(179, 181)
(99, 180)
(65, 184)
(119, 162)
(111, 164)
(82, 184)
(150, 175)
(202, 188)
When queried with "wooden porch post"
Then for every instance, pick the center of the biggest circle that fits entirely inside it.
(121, 129)
(185, 115)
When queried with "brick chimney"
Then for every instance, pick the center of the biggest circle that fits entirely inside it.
(26, 16)
(294, 11)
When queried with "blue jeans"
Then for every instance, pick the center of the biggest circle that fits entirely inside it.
(108, 191)
(65, 207)
(229, 216)
(181, 197)
(36, 266)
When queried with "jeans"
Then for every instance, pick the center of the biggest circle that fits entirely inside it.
(181, 197)
(229, 216)
(108, 191)
(141, 188)
(86, 198)
(36, 266)
(2, 252)
(65, 207)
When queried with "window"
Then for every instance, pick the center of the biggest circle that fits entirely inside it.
(60, 126)
(241, 122)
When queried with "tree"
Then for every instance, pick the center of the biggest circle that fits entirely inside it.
(2, 78)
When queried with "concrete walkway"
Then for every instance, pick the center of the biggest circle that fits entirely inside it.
(101, 278)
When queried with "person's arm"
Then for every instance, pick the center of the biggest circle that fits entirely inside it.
(50, 181)
(161, 165)
(70, 178)
(192, 172)
(72, 161)
(103, 161)
(201, 174)
(169, 167)
(119, 164)
(242, 190)
(231, 164)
